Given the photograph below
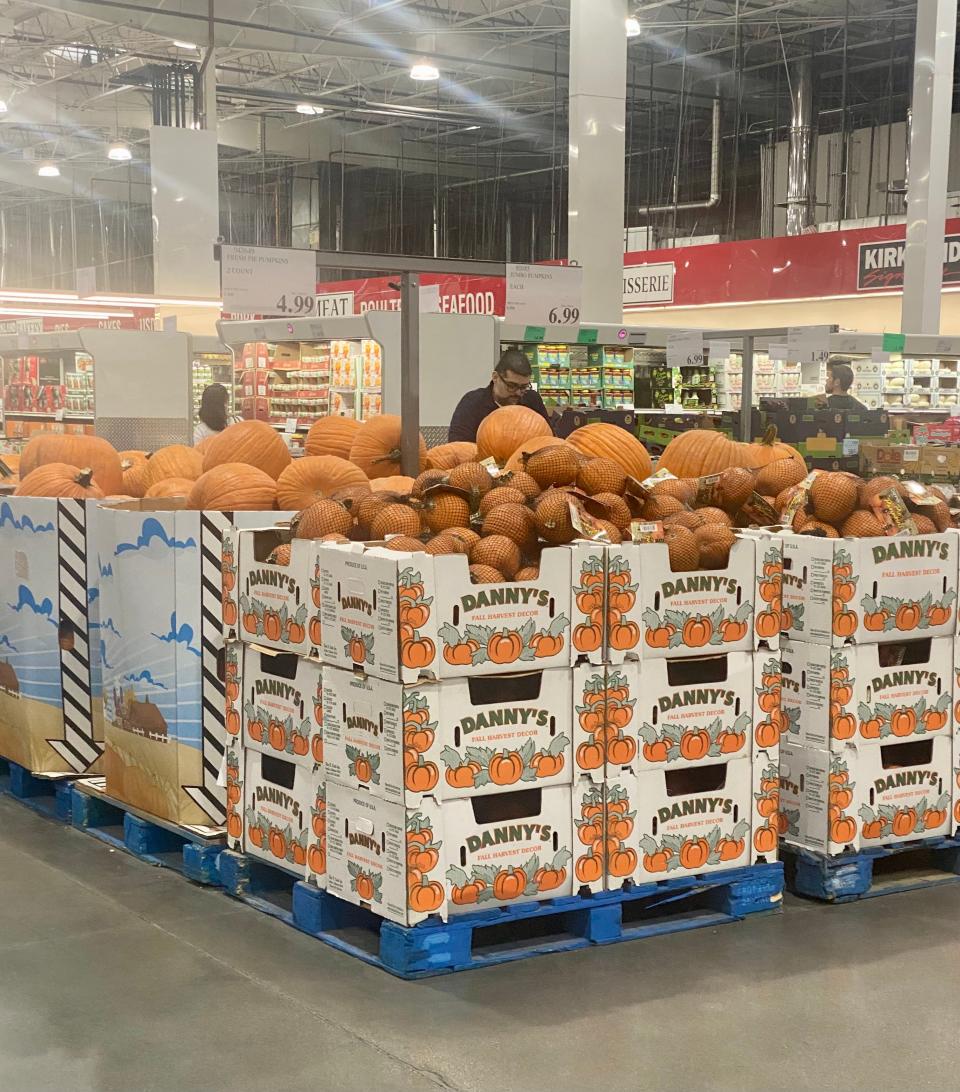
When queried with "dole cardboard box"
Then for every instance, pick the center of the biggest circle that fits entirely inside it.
(51, 698)
(278, 801)
(273, 604)
(692, 820)
(689, 613)
(867, 694)
(858, 797)
(165, 666)
(460, 856)
(866, 590)
(708, 709)
(400, 616)
(282, 705)
(449, 739)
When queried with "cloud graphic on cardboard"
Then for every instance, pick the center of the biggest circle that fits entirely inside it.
(5, 643)
(26, 601)
(154, 529)
(144, 676)
(93, 594)
(181, 635)
(25, 523)
(109, 625)
(105, 570)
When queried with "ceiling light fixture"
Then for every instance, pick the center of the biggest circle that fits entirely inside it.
(423, 71)
(184, 45)
(119, 153)
(308, 109)
(48, 170)
(634, 30)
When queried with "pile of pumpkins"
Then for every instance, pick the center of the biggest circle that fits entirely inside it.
(842, 505)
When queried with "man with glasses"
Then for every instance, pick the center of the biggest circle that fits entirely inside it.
(510, 386)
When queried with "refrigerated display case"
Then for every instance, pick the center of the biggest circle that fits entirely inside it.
(45, 387)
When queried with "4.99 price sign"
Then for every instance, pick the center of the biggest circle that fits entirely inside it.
(268, 281)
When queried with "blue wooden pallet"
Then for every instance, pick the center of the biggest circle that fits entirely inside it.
(50, 796)
(879, 870)
(152, 841)
(508, 933)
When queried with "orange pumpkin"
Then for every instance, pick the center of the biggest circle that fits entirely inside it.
(376, 447)
(603, 441)
(396, 483)
(503, 431)
(136, 479)
(174, 461)
(82, 451)
(233, 487)
(59, 480)
(704, 451)
(171, 487)
(252, 442)
(447, 456)
(332, 436)
(516, 460)
(314, 478)
(132, 456)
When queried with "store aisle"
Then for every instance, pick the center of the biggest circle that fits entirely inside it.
(115, 977)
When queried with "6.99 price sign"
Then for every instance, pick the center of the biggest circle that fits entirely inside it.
(544, 295)
(268, 281)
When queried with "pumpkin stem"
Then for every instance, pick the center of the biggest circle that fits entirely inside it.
(770, 437)
(85, 477)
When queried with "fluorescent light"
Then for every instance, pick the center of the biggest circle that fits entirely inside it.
(634, 30)
(63, 313)
(48, 170)
(184, 45)
(155, 301)
(119, 153)
(424, 71)
(308, 109)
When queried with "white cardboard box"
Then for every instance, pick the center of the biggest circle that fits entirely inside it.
(858, 797)
(870, 589)
(448, 739)
(862, 694)
(460, 856)
(400, 616)
(282, 705)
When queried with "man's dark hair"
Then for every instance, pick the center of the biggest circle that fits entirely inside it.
(513, 360)
(842, 373)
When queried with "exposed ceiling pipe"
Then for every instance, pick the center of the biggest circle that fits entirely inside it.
(800, 154)
(714, 199)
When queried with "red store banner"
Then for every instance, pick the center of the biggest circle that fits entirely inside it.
(458, 295)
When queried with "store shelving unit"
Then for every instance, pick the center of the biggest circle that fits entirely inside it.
(50, 390)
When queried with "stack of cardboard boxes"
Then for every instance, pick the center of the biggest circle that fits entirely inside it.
(688, 740)
(868, 663)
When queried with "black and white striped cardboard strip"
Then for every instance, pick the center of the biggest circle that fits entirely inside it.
(210, 795)
(78, 747)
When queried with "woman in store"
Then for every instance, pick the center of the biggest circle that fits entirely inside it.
(213, 412)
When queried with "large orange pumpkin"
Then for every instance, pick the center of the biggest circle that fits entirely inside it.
(175, 461)
(171, 487)
(202, 445)
(396, 483)
(447, 456)
(136, 478)
(252, 442)
(11, 460)
(83, 451)
(134, 455)
(59, 480)
(376, 447)
(503, 431)
(313, 478)
(706, 451)
(233, 487)
(332, 436)
(603, 441)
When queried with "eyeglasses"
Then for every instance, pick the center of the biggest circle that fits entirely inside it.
(514, 388)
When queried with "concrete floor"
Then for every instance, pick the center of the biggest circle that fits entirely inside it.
(117, 977)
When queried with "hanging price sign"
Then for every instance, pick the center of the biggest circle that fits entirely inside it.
(268, 281)
(808, 344)
(685, 349)
(544, 295)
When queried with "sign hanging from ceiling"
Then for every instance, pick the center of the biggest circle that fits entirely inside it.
(268, 281)
(545, 295)
(881, 264)
(651, 283)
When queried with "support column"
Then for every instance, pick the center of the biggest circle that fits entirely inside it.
(598, 89)
(929, 160)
